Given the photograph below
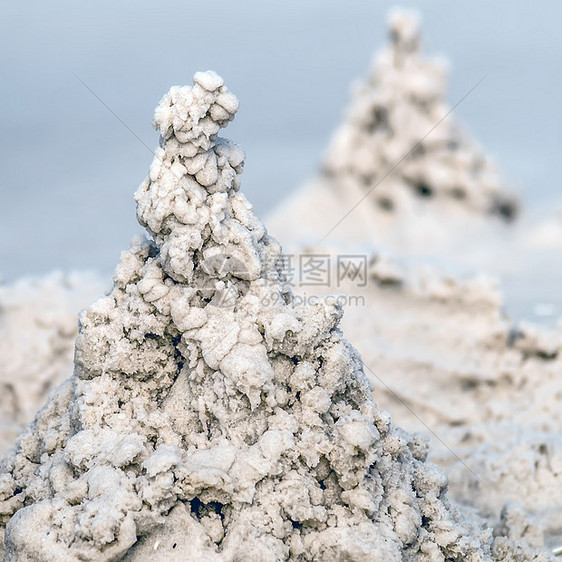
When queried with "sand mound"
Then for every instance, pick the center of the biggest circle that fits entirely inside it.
(208, 412)
(399, 114)
(401, 152)
(38, 327)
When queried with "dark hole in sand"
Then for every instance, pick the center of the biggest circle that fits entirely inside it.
(378, 120)
(385, 204)
(423, 190)
(507, 210)
(458, 193)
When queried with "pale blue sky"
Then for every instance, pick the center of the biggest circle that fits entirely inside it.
(70, 168)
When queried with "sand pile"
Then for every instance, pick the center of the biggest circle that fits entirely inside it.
(420, 178)
(208, 415)
(38, 327)
(401, 109)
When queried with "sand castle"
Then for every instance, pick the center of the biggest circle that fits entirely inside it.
(209, 416)
(400, 170)
(399, 114)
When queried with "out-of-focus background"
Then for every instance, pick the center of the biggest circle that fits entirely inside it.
(70, 167)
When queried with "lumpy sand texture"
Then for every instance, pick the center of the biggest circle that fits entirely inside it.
(209, 417)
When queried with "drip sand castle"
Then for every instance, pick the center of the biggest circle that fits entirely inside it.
(211, 418)
(420, 177)
(400, 110)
